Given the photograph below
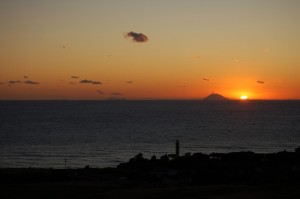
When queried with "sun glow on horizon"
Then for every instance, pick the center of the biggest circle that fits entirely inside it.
(244, 97)
(45, 57)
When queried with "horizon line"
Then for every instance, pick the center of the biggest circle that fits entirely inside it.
(153, 99)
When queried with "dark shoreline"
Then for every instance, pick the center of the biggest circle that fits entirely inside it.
(218, 175)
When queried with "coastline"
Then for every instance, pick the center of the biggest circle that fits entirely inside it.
(227, 175)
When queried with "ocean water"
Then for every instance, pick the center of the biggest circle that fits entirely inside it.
(105, 133)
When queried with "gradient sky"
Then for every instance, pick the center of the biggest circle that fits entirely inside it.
(233, 43)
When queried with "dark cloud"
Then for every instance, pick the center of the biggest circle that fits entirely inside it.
(25, 77)
(14, 81)
(31, 82)
(85, 81)
(116, 94)
(206, 79)
(129, 82)
(137, 37)
(96, 82)
(74, 77)
(260, 82)
(100, 92)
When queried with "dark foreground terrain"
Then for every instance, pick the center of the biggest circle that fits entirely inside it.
(231, 175)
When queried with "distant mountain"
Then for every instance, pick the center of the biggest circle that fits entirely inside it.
(215, 97)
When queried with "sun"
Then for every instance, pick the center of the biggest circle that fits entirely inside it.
(244, 97)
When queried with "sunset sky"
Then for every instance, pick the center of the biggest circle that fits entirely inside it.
(75, 49)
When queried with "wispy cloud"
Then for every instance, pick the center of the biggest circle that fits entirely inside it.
(260, 82)
(74, 77)
(137, 37)
(85, 81)
(31, 82)
(129, 82)
(25, 77)
(96, 82)
(14, 82)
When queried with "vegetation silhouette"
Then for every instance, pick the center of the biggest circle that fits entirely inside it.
(198, 175)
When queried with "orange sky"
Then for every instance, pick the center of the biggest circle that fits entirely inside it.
(232, 43)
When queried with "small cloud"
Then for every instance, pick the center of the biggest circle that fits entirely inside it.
(14, 82)
(260, 82)
(74, 77)
(100, 92)
(96, 82)
(206, 79)
(85, 81)
(72, 83)
(25, 77)
(137, 37)
(129, 82)
(116, 94)
(31, 82)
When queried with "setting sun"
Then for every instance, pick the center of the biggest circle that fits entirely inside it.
(244, 97)
(110, 57)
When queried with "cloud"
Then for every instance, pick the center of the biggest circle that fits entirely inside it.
(1, 83)
(116, 94)
(74, 77)
(206, 79)
(129, 82)
(100, 92)
(31, 82)
(96, 82)
(260, 82)
(85, 81)
(72, 83)
(137, 37)
(14, 82)
(25, 77)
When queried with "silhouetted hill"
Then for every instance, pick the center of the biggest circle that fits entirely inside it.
(215, 97)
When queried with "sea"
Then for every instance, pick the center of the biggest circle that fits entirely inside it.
(98, 134)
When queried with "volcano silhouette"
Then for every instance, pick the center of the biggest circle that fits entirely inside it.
(215, 97)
